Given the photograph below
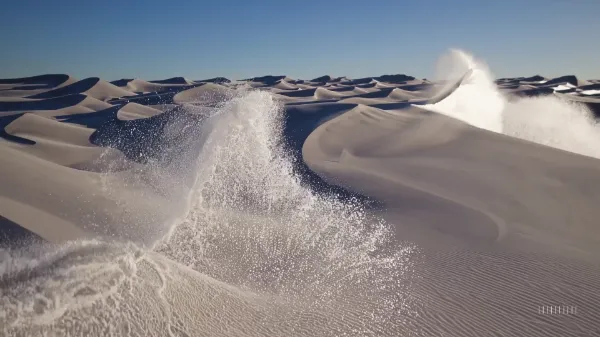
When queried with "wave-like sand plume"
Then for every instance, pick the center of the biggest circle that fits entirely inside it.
(476, 100)
(259, 254)
(254, 224)
(546, 120)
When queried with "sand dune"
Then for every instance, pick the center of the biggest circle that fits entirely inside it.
(284, 85)
(208, 94)
(135, 111)
(216, 80)
(92, 86)
(378, 206)
(141, 86)
(174, 80)
(42, 82)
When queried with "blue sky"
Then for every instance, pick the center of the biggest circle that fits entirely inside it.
(302, 39)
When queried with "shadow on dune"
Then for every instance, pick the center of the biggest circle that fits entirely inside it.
(535, 78)
(396, 79)
(92, 120)
(152, 98)
(216, 80)
(165, 96)
(563, 79)
(159, 137)
(417, 87)
(342, 89)
(593, 86)
(268, 79)
(534, 92)
(13, 235)
(74, 88)
(45, 104)
(322, 79)
(172, 80)
(300, 121)
(381, 93)
(299, 93)
(312, 102)
(122, 82)
(396, 106)
(364, 80)
(4, 121)
(592, 103)
(40, 82)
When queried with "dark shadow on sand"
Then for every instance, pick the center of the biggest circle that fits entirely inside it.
(14, 236)
(4, 121)
(268, 79)
(152, 98)
(45, 104)
(299, 93)
(592, 103)
(216, 80)
(563, 79)
(40, 82)
(74, 88)
(158, 137)
(298, 125)
(534, 92)
(396, 106)
(92, 120)
(122, 82)
(172, 80)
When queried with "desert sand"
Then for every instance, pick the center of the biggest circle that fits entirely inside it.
(271, 206)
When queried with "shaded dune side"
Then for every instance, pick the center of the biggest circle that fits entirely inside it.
(141, 86)
(300, 121)
(42, 104)
(14, 236)
(92, 86)
(19, 87)
(61, 106)
(174, 80)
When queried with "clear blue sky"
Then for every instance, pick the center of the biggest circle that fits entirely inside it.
(300, 38)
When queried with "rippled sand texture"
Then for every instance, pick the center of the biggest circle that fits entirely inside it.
(215, 208)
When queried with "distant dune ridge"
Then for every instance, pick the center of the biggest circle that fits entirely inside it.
(274, 206)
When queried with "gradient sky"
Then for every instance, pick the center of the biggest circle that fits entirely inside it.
(302, 39)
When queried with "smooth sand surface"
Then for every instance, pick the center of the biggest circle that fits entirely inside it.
(504, 226)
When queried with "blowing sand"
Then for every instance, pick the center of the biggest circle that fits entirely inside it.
(386, 206)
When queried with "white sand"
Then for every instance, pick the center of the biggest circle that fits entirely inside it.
(497, 198)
